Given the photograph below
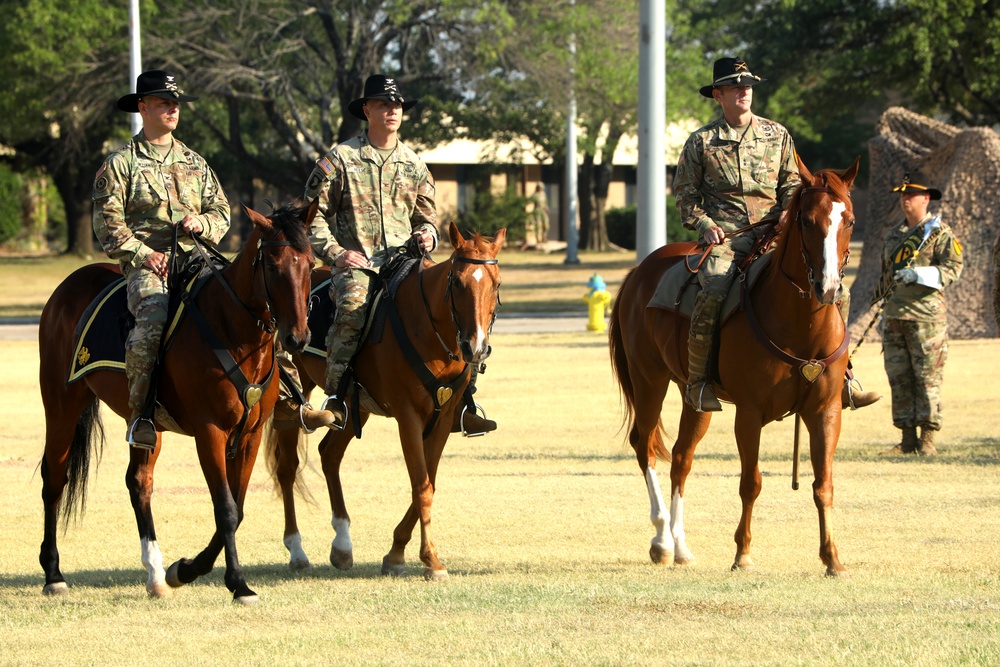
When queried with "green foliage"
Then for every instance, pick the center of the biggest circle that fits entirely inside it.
(11, 207)
(621, 224)
(491, 212)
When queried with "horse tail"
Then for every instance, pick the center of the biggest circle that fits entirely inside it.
(272, 450)
(78, 459)
(621, 373)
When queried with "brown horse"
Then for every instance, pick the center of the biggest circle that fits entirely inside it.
(263, 291)
(446, 311)
(793, 361)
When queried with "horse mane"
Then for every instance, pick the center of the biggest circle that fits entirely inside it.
(288, 219)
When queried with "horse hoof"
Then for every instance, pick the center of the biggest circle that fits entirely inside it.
(743, 566)
(683, 559)
(835, 573)
(393, 569)
(247, 600)
(435, 575)
(173, 575)
(57, 588)
(342, 560)
(299, 565)
(159, 590)
(659, 555)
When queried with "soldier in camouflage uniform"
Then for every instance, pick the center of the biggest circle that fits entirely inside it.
(374, 194)
(146, 191)
(734, 172)
(922, 257)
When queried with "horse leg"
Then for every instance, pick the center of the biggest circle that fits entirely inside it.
(647, 441)
(748, 427)
(824, 431)
(433, 449)
(332, 449)
(227, 518)
(692, 429)
(70, 418)
(422, 496)
(139, 482)
(286, 470)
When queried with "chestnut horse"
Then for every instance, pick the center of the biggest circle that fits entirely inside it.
(765, 370)
(446, 311)
(263, 291)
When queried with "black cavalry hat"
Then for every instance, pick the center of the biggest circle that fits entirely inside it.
(379, 87)
(730, 72)
(916, 183)
(154, 83)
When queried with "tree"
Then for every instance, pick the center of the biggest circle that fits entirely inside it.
(63, 66)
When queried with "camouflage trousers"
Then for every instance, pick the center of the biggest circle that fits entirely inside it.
(287, 364)
(349, 289)
(915, 353)
(148, 300)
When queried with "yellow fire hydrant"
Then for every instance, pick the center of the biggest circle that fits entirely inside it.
(598, 303)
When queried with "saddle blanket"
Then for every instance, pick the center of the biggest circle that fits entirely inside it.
(678, 289)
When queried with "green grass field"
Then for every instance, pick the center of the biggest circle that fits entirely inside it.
(544, 526)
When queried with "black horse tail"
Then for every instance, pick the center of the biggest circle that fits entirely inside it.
(79, 456)
(621, 373)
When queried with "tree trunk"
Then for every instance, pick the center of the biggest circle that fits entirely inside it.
(585, 190)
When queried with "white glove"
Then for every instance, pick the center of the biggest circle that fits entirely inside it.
(906, 276)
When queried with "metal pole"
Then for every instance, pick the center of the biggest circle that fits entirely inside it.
(651, 204)
(572, 202)
(135, 56)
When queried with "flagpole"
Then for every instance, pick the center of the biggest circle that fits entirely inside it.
(135, 56)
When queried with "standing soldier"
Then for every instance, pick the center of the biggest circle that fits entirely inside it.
(151, 196)
(374, 194)
(922, 256)
(736, 171)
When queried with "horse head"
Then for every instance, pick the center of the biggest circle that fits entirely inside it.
(824, 219)
(474, 289)
(282, 269)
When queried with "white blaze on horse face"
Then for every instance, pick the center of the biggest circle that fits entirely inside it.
(831, 256)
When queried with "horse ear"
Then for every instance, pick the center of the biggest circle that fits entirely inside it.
(256, 218)
(499, 239)
(851, 172)
(804, 173)
(455, 235)
(311, 211)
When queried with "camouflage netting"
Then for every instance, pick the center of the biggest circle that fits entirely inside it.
(965, 165)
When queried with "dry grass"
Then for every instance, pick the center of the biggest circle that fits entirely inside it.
(544, 527)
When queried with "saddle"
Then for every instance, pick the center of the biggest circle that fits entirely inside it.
(678, 287)
(105, 325)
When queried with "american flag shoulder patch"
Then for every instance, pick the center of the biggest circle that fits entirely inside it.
(325, 165)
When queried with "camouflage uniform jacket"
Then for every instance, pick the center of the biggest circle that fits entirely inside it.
(942, 250)
(140, 196)
(729, 181)
(367, 208)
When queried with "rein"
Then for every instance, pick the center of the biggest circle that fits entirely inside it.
(810, 369)
(449, 294)
(249, 393)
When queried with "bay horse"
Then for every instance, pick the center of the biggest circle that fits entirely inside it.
(446, 311)
(791, 361)
(257, 300)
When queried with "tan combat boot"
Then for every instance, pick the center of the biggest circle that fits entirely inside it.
(700, 393)
(908, 445)
(290, 415)
(469, 423)
(141, 432)
(927, 447)
(854, 399)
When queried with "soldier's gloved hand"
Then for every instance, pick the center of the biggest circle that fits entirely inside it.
(906, 276)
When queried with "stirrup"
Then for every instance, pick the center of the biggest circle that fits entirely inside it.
(849, 389)
(130, 436)
(336, 406)
(461, 420)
